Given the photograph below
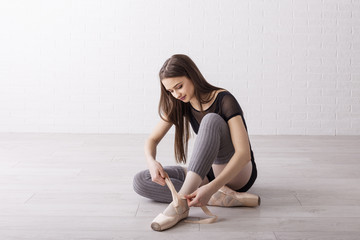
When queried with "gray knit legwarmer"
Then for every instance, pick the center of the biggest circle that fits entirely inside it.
(213, 145)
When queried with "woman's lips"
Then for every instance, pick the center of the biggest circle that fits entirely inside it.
(183, 98)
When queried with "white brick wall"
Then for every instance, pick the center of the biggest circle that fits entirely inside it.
(92, 65)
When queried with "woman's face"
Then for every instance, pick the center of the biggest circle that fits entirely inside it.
(180, 87)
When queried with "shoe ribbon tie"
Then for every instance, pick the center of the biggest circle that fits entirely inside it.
(176, 196)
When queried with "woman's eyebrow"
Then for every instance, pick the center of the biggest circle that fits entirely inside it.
(175, 86)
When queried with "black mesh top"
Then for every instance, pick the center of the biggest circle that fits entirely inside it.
(225, 105)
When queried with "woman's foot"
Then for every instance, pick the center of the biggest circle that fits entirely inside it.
(226, 197)
(171, 215)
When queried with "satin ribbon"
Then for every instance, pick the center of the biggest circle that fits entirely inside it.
(176, 197)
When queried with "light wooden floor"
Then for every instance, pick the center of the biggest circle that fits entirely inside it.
(79, 186)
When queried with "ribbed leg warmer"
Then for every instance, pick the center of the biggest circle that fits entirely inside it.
(144, 186)
(213, 145)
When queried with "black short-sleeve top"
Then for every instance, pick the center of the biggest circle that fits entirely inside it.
(225, 105)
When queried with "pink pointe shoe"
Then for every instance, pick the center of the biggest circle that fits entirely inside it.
(179, 203)
(163, 222)
(226, 197)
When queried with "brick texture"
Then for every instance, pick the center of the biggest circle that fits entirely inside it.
(90, 66)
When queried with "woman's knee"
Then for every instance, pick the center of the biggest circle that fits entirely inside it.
(212, 120)
(140, 180)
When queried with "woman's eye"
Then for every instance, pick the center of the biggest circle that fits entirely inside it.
(180, 87)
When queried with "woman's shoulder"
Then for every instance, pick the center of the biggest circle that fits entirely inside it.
(220, 92)
(220, 95)
(227, 101)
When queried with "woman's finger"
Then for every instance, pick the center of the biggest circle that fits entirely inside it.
(193, 203)
(163, 174)
(191, 195)
(161, 181)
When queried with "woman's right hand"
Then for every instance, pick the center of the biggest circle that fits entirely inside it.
(157, 172)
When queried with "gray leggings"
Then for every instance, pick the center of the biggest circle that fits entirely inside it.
(213, 145)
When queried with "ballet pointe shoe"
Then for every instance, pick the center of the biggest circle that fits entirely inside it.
(163, 222)
(226, 197)
(179, 203)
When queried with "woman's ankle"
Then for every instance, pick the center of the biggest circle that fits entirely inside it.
(171, 211)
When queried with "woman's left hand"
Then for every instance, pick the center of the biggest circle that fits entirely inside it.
(200, 197)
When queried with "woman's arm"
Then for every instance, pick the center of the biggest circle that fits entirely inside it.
(155, 168)
(240, 158)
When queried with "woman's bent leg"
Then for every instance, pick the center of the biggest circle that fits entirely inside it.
(144, 186)
(214, 147)
(213, 143)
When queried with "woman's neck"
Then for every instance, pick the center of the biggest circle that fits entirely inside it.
(196, 104)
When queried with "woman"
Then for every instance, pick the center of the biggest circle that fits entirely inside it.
(222, 163)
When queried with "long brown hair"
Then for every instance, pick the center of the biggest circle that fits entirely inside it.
(175, 111)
